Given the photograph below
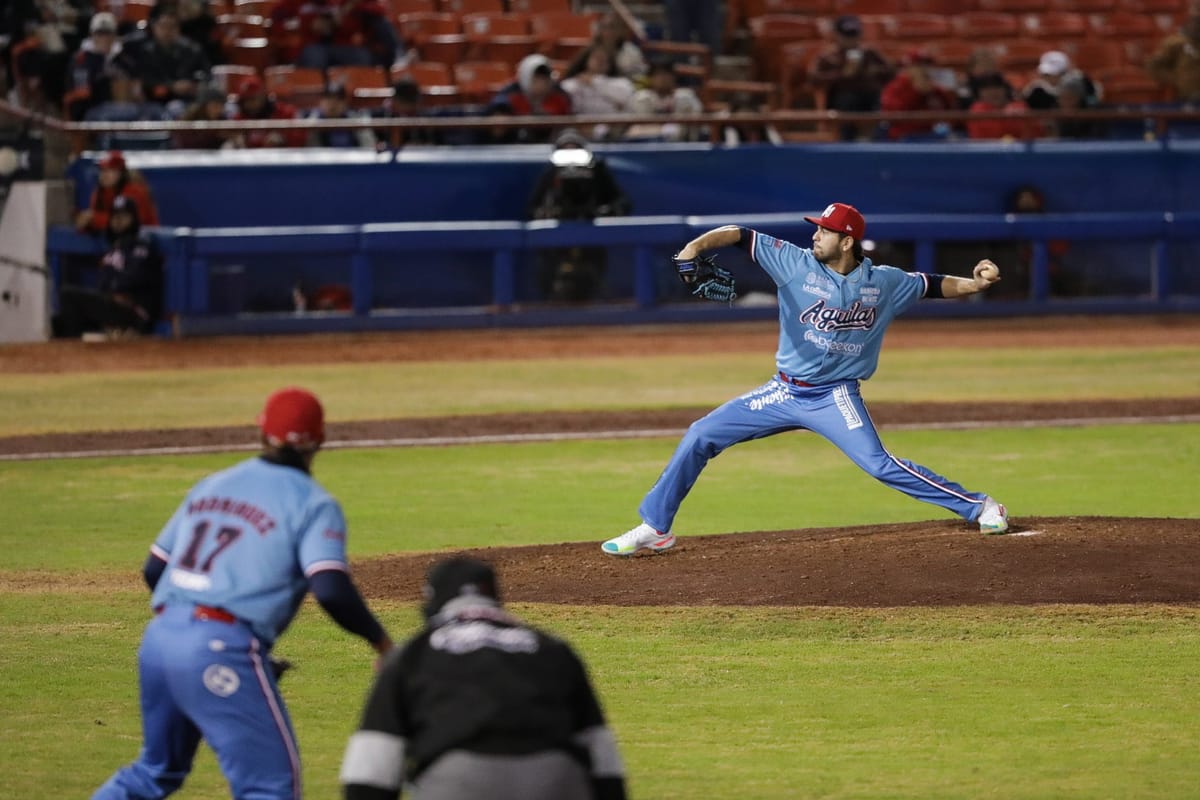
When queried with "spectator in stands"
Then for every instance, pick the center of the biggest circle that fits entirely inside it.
(340, 32)
(625, 57)
(1176, 62)
(850, 73)
(334, 104)
(92, 62)
(126, 104)
(209, 107)
(252, 103)
(533, 93)
(198, 24)
(664, 95)
(405, 103)
(171, 68)
(1030, 200)
(702, 20)
(45, 34)
(914, 89)
(596, 91)
(1054, 68)
(128, 296)
(733, 135)
(994, 96)
(1073, 96)
(116, 180)
(982, 64)
(576, 185)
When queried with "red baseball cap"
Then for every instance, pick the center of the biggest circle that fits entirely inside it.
(114, 160)
(293, 417)
(250, 86)
(841, 218)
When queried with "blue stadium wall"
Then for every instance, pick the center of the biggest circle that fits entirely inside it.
(933, 186)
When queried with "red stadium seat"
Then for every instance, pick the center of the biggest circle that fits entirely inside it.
(261, 8)
(471, 6)
(1123, 25)
(939, 6)
(539, 6)
(1084, 6)
(477, 81)
(434, 79)
(416, 27)
(1095, 55)
(1012, 6)
(498, 37)
(771, 32)
(1130, 86)
(1055, 25)
(986, 25)
(951, 52)
(756, 8)
(561, 36)
(917, 27)
(300, 86)
(396, 7)
(227, 77)
(861, 7)
(254, 52)
(1020, 54)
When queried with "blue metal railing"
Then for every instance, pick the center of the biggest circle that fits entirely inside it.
(191, 252)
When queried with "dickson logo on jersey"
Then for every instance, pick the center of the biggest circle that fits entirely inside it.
(825, 318)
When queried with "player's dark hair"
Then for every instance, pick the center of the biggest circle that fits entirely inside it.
(857, 250)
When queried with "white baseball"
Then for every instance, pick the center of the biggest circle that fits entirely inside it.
(989, 272)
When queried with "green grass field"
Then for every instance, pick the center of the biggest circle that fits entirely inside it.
(1006, 702)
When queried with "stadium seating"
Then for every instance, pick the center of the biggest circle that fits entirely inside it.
(434, 80)
(478, 81)
(300, 86)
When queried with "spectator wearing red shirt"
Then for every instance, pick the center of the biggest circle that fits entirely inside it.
(334, 33)
(915, 90)
(993, 96)
(253, 103)
(115, 181)
(533, 93)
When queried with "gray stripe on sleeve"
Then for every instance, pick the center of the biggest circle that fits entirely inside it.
(602, 747)
(375, 759)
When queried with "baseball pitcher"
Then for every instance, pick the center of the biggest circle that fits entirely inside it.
(228, 573)
(834, 306)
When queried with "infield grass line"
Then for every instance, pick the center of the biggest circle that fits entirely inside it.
(581, 436)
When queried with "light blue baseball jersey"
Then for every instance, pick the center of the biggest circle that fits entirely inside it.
(831, 326)
(246, 539)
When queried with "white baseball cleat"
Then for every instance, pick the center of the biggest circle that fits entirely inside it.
(993, 518)
(643, 537)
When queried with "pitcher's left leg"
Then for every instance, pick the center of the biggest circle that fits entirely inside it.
(845, 422)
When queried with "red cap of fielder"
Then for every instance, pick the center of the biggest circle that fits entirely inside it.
(293, 417)
(841, 218)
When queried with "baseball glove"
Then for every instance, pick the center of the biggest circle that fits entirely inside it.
(709, 281)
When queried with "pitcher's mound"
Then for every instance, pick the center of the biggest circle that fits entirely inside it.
(1041, 560)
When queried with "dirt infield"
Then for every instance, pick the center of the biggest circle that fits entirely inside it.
(1043, 560)
(941, 562)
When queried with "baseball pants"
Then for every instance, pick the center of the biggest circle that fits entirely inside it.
(208, 679)
(834, 411)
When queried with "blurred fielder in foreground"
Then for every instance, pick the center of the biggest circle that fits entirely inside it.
(481, 705)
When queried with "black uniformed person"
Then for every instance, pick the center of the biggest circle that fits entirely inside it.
(481, 705)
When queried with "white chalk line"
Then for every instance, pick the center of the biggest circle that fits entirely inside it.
(568, 436)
